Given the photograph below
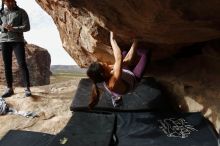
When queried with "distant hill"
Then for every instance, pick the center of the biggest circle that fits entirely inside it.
(67, 69)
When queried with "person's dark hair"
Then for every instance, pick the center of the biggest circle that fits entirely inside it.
(96, 73)
(2, 6)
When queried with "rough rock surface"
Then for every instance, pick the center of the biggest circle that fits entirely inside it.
(38, 61)
(84, 24)
(166, 26)
(50, 102)
(192, 81)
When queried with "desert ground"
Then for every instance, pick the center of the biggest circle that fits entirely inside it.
(50, 102)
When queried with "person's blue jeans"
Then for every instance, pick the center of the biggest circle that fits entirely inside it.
(19, 51)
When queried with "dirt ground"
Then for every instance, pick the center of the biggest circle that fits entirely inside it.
(50, 102)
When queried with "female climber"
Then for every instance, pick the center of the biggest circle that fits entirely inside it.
(121, 77)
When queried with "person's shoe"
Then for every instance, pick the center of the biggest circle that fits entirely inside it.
(27, 92)
(8, 92)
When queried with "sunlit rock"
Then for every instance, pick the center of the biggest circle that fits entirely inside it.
(84, 24)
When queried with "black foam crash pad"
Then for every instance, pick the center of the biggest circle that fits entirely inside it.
(25, 138)
(137, 129)
(164, 129)
(86, 129)
(146, 96)
(123, 129)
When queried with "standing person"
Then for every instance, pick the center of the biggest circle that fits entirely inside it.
(121, 77)
(14, 21)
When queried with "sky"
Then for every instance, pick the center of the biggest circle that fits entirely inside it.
(44, 33)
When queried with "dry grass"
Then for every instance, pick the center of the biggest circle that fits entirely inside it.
(61, 77)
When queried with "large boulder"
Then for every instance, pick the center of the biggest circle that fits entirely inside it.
(84, 24)
(192, 80)
(183, 34)
(38, 61)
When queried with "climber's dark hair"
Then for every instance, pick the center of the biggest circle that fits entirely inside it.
(96, 73)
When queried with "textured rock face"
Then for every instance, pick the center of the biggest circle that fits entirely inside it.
(83, 24)
(166, 26)
(38, 61)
